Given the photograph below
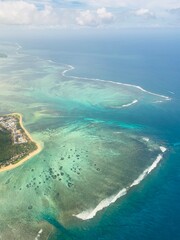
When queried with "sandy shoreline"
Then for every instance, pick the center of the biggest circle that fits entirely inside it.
(39, 148)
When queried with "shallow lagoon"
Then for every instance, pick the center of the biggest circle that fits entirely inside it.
(89, 153)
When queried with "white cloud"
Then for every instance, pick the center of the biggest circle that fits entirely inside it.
(29, 13)
(144, 12)
(94, 18)
(104, 15)
(87, 18)
(23, 13)
(67, 13)
(107, 3)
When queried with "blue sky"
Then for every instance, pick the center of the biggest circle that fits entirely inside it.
(90, 13)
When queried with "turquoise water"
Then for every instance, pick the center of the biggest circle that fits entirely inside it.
(98, 138)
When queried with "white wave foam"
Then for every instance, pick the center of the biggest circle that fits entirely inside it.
(39, 234)
(51, 61)
(88, 214)
(139, 179)
(155, 163)
(163, 149)
(128, 104)
(67, 70)
(147, 171)
(158, 101)
(108, 81)
(146, 139)
(85, 215)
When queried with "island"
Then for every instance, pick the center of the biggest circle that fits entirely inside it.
(16, 144)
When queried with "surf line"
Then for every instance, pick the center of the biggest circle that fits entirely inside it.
(70, 68)
(128, 104)
(88, 214)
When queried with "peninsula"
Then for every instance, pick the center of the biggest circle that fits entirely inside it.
(16, 144)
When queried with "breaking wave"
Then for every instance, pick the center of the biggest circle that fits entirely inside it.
(88, 214)
(70, 68)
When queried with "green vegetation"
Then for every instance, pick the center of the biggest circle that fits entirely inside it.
(11, 153)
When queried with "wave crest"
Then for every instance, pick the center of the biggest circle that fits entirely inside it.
(88, 214)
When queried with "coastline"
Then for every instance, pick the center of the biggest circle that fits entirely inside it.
(23, 160)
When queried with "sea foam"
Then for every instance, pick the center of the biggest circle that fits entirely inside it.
(163, 149)
(85, 215)
(146, 139)
(70, 68)
(88, 214)
(38, 235)
(128, 104)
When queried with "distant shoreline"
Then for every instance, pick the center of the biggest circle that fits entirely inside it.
(23, 160)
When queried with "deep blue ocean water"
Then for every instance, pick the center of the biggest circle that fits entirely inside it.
(149, 59)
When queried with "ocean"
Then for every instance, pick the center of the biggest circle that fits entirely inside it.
(109, 168)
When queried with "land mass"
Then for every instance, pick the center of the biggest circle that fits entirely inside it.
(16, 144)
